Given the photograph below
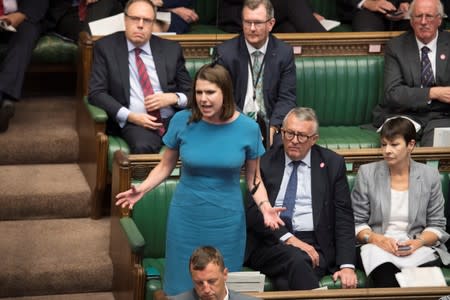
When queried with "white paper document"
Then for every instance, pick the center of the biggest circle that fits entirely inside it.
(246, 281)
(372, 256)
(5, 26)
(329, 24)
(116, 23)
(441, 137)
(419, 277)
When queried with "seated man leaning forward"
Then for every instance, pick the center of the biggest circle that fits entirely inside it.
(140, 80)
(318, 236)
(417, 72)
(209, 277)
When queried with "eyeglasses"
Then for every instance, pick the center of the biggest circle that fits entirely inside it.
(257, 24)
(301, 137)
(427, 17)
(136, 19)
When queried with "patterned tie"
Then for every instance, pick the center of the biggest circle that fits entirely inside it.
(427, 76)
(146, 86)
(290, 196)
(2, 12)
(82, 10)
(258, 86)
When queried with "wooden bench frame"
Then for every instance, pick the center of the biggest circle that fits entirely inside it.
(129, 276)
(94, 141)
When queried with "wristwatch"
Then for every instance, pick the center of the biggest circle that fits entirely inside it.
(366, 237)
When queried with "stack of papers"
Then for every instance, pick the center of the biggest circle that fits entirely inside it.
(246, 281)
(5, 26)
(420, 277)
(329, 24)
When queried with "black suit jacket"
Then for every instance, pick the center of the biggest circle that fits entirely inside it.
(279, 85)
(334, 225)
(346, 9)
(109, 86)
(402, 79)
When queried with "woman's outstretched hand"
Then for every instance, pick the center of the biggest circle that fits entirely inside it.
(272, 216)
(129, 198)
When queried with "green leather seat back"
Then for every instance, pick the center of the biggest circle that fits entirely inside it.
(50, 50)
(343, 90)
(194, 64)
(206, 11)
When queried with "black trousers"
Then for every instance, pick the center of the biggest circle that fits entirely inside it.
(288, 266)
(295, 16)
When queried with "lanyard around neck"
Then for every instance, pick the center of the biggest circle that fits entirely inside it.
(258, 76)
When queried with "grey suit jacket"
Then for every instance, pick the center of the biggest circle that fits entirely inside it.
(192, 295)
(371, 200)
(402, 80)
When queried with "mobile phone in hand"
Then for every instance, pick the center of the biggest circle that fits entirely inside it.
(404, 248)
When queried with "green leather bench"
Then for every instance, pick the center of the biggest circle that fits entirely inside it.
(51, 52)
(342, 90)
(144, 230)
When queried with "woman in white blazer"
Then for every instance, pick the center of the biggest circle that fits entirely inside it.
(399, 209)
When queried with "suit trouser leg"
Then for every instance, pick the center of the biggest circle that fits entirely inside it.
(141, 140)
(101, 9)
(288, 264)
(298, 14)
(17, 58)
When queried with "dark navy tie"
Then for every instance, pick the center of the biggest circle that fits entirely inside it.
(290, 196)
(426, 75)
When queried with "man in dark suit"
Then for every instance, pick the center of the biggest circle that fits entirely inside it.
(370, 15)
(267, 88)
(68, 17)
(319, 233)
(118, 74)
(209, 276)
(26, 17)
(406, 88)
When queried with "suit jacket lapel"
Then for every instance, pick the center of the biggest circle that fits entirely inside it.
(276, 176)
(160, 62)
(383, 181)
(414, 190)
(442, 56)
(244, 57)
(269, 61)
(414, 58)
(121, 52)
(319, 185)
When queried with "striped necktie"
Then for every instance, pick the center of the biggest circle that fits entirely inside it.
(258, 77)
(146, 85)
(2, 10)
(426, 74)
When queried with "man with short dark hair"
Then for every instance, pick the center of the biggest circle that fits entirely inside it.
(209, 276)
(140, 80)
(417, 72)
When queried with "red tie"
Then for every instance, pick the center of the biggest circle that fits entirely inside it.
(82, 10)
(146, 85)
(2, 12)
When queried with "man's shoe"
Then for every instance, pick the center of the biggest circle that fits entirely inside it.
(6, 113)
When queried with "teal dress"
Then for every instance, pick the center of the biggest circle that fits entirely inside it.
(207, 205)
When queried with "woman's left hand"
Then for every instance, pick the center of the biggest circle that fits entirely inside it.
(272, 216)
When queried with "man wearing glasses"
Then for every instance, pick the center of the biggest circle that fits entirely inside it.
(417, 72)
(262, 67)
(140, 80)
(318, 236)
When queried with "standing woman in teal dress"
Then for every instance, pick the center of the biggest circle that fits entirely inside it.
(213, 141)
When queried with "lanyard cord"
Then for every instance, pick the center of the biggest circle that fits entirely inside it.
(258, 76)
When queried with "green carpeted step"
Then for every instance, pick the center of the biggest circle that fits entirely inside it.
(62, 256)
